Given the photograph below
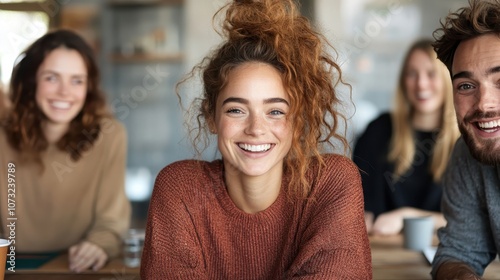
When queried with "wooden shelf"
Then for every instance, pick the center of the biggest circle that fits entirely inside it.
(131, 3)
(22, 7)
(172, 58)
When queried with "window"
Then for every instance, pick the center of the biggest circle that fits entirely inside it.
(22, 23)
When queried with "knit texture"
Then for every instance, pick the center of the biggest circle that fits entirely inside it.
(195, 231)
(471, 206)
(69, 201)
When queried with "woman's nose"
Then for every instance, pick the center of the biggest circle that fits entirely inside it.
(255, 126)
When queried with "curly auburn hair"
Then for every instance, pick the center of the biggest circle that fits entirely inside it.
(481, 17)
(23, 123)
(274, 32)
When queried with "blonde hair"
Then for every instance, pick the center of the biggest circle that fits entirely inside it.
(402, 145)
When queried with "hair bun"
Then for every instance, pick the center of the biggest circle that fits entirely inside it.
(264, 19)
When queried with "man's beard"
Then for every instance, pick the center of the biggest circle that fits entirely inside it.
(484, 150)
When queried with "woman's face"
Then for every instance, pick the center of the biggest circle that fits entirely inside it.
(252, 122)
(61, 85)
(423, 83)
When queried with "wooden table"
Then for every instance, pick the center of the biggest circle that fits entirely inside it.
(392, 262)
(57, 269)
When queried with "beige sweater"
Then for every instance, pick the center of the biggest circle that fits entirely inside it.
(70, 201)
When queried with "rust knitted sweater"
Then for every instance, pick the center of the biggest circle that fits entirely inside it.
(195, 231)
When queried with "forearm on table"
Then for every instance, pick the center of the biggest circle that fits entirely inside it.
(109, 241)
(439, 220)
(452, 270)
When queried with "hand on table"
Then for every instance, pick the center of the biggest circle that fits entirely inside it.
(85, 255)
(389, 223)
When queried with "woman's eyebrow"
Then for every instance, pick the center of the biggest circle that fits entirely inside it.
(235, 99)
(276, 100)
(245, 101)
(48, 71)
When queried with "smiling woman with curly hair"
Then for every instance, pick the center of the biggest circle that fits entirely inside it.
(275, 206)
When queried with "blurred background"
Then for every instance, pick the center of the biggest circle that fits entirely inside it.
(144, 47)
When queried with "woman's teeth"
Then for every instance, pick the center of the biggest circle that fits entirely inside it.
(255, 148)
(60, 104)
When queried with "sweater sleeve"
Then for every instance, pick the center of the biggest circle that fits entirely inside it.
(112, 208)
(172, 249)
(467, 236)
(335, 243)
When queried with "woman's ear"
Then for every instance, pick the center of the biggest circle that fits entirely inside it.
(211, 126)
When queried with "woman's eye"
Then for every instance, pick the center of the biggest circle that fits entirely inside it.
(411, 74)
(234, 111)
(277, 112)
(50, 78)
(78, 82)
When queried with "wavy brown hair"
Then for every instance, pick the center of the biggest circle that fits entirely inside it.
(3, 105)
(481, 17)
(23, 124)
(402, 146)
(274, 32)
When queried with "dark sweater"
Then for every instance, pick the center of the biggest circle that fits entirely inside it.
(382, 193)
(195, 231)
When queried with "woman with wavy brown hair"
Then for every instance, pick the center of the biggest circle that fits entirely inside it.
(66, 153)
(275, 206)
(403, 154)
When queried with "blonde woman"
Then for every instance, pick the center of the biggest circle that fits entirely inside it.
(403, 154)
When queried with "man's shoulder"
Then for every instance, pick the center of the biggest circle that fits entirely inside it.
(461, 156)
(462, 162)
(461, 147)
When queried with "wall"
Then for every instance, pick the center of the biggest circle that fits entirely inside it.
(371, 62)
(372, 37)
